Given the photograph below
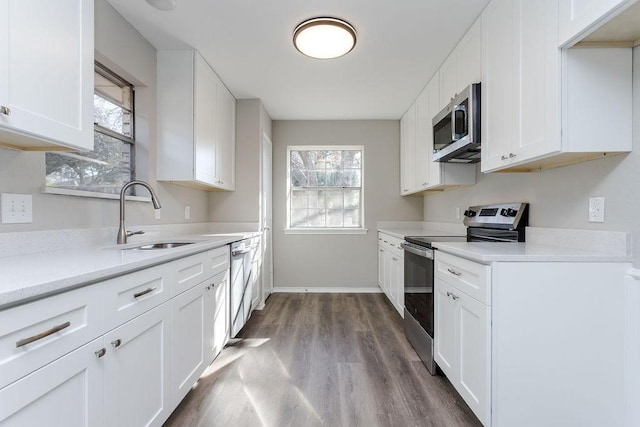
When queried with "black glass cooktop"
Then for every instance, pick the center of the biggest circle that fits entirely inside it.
(428, 240)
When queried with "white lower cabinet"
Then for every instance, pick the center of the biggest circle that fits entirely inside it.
(137, 370)
(68, 392)
(391, 270)
(148, 350)
(462, 346)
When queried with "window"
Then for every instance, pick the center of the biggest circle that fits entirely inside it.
(324, 189)
(111, 163)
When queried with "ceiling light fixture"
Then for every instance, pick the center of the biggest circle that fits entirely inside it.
(324, 38)
(163, 4)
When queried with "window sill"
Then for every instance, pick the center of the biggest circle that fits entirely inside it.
(91, 194)
(325, 231)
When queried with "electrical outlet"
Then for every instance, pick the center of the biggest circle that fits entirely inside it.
(457, 213)
(187, 212)
(158, 213)
(16, 208)
(596, 209)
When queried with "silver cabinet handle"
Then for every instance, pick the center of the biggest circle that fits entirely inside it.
(6, 111)
(101, 352)
(511, 155)
(116, 343)
(455, 273)
(504, 158)
(58, 328)
(267, 228)
(424, 184)
(381, 250)
(145, 292)
(395, 259)
(452, 295)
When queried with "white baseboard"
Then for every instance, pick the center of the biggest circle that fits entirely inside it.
(326, 290)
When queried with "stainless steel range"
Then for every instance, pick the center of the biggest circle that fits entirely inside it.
(491, 223)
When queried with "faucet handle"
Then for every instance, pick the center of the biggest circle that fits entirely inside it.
(131, 233)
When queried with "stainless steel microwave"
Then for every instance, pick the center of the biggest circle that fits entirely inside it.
(456, 129)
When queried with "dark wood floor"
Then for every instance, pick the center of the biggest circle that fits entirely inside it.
(322, 360)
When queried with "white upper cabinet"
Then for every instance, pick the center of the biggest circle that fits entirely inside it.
(196, 123)
(46, 74)
(538, 101)
(579, 17)
(418, 172)
(463, 66)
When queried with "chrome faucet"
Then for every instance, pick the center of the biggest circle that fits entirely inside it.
(122, 232)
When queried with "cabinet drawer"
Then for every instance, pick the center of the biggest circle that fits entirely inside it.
(39, 332)
(470, 277)
(391, 244)
(218, 260)
(189, 272)
(133, 294)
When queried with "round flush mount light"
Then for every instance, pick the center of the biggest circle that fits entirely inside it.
(324, 38)
(163, 4)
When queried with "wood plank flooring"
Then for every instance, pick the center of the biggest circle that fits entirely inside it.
(322, 360)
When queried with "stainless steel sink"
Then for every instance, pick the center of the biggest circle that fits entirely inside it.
(153, 246)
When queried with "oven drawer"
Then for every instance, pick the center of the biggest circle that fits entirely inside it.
(470, 277)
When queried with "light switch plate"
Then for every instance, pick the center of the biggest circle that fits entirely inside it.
(596, 209)
(16, 208)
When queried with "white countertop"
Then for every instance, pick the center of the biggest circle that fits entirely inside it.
(31, 276)
(487, 252)
(402, 232)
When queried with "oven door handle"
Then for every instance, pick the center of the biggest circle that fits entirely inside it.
(425, 253)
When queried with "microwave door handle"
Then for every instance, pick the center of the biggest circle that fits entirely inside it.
(460, 108)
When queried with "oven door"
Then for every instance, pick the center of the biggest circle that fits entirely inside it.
(418, 286)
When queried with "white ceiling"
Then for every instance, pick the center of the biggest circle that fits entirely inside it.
(248, 42)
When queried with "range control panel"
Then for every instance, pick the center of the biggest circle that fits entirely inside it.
(504, 215)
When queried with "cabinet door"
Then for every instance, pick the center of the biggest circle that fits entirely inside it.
(218, 315)
(381, 269)
(137, 370)
(448, 79)
(499, 66)
(474, 358)
(407, 150)
(445, 330)
(424, 138)
(67, 392)
(205, 102)
(226, 138)
(433, 101)
(46, 73)
(537, 80)
(470, 54)
(578, 16)
(188, 320)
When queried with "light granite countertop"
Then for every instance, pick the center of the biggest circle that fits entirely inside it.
(401, 232)
(27, 277)
(487, 252)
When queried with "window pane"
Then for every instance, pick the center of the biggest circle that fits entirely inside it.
(352, 218)
(299, 218)
(333, 159)
(111, 116)
(352, 159)
(105, 170)
(334, 199)
(351, 199)
(352, 178)
(316, 218)
(316, 199)
(299, 200)
(334, 179)
(335, 218)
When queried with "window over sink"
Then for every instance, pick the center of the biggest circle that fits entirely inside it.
(325, 189)
(103, 171)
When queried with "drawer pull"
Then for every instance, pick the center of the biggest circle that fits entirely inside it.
(41, 335)
(101, 352)
(116, 343)
(452, 295)
(146, 291)
(455, 273)
(5, 111)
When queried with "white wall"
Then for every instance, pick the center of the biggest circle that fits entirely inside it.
(560, 197)
(243, 204)
(120, 47)
(339, 261)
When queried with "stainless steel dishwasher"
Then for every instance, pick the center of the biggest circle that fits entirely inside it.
(242, 253)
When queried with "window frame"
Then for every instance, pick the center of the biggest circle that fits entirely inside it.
(110, 75)
(324, 230)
